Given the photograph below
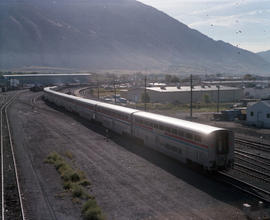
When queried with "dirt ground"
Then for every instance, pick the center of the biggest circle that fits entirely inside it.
(128, 181)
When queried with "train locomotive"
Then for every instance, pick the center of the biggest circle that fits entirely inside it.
(189, 142)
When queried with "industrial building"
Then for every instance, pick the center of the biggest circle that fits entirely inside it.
(22, 80)
(258, 114)
(182, 94)
(239, 83)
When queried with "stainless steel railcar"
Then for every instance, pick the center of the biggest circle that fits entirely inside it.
(186, 141)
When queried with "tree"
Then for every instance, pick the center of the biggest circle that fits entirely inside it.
(168, 78)
(145, 98)
(175, 79)
(206, 98)
(248, 77)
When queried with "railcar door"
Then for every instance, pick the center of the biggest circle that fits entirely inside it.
(222, 148)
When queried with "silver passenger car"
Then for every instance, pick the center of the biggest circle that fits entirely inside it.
(210, 147)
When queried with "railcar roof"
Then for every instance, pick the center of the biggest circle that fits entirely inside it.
(188, 125)
(93, 102)
(103, 104)
(117, 107)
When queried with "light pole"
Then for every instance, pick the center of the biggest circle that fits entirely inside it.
(114, 92)
(218, 87)
(191, 87)
(145, 93)
(98, 89)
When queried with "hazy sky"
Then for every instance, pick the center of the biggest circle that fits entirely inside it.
(243, 23)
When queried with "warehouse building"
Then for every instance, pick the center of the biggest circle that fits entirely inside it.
(182, 94)
(258, 114)
(46, 79)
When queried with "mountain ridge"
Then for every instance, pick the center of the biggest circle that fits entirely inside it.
(265, 55)
(111, 34)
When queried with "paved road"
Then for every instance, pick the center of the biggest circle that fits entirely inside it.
(128, 181)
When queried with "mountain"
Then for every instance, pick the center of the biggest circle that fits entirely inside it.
(111, 34)
(265, 55)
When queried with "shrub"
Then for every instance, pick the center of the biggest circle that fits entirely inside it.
(85, 183)
(93, 214)
(74, 181)
(66, 174)
(91, 211)
(69, 155)
(75, 177)
(67, 185)
(77, 191)
(52, 158)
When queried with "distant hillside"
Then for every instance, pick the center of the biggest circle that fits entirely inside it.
(111, 34)
(265, 55)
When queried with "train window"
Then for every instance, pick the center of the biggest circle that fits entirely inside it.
(174, 131)
(161, 127)
(188, 135)
(251, 113)
(180, 133)
(168, 129)
(155, 125)
(268, 115)
(197, 138)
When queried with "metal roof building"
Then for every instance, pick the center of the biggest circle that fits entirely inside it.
(47, 79)
(182, 94)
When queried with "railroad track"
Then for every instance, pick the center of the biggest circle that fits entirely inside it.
(252, 156)
(259, 193)
(251, 144)
(260, 162)
(11, 197)
(253, 166)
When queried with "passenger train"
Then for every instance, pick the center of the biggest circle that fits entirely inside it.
(189, 142)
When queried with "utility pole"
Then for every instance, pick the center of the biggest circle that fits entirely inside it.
(145, 93)
(98, 89)
(218, 86)
(114, 92)
(191, 87)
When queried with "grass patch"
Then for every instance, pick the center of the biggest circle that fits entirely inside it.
(75, 182)
(105, 92)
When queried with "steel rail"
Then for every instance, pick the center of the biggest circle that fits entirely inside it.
(251, 175)
(241, 152)
(4, 109)
(252, 170)
(249, 159)
(252, 141)
(255, 145)
(245, 184)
